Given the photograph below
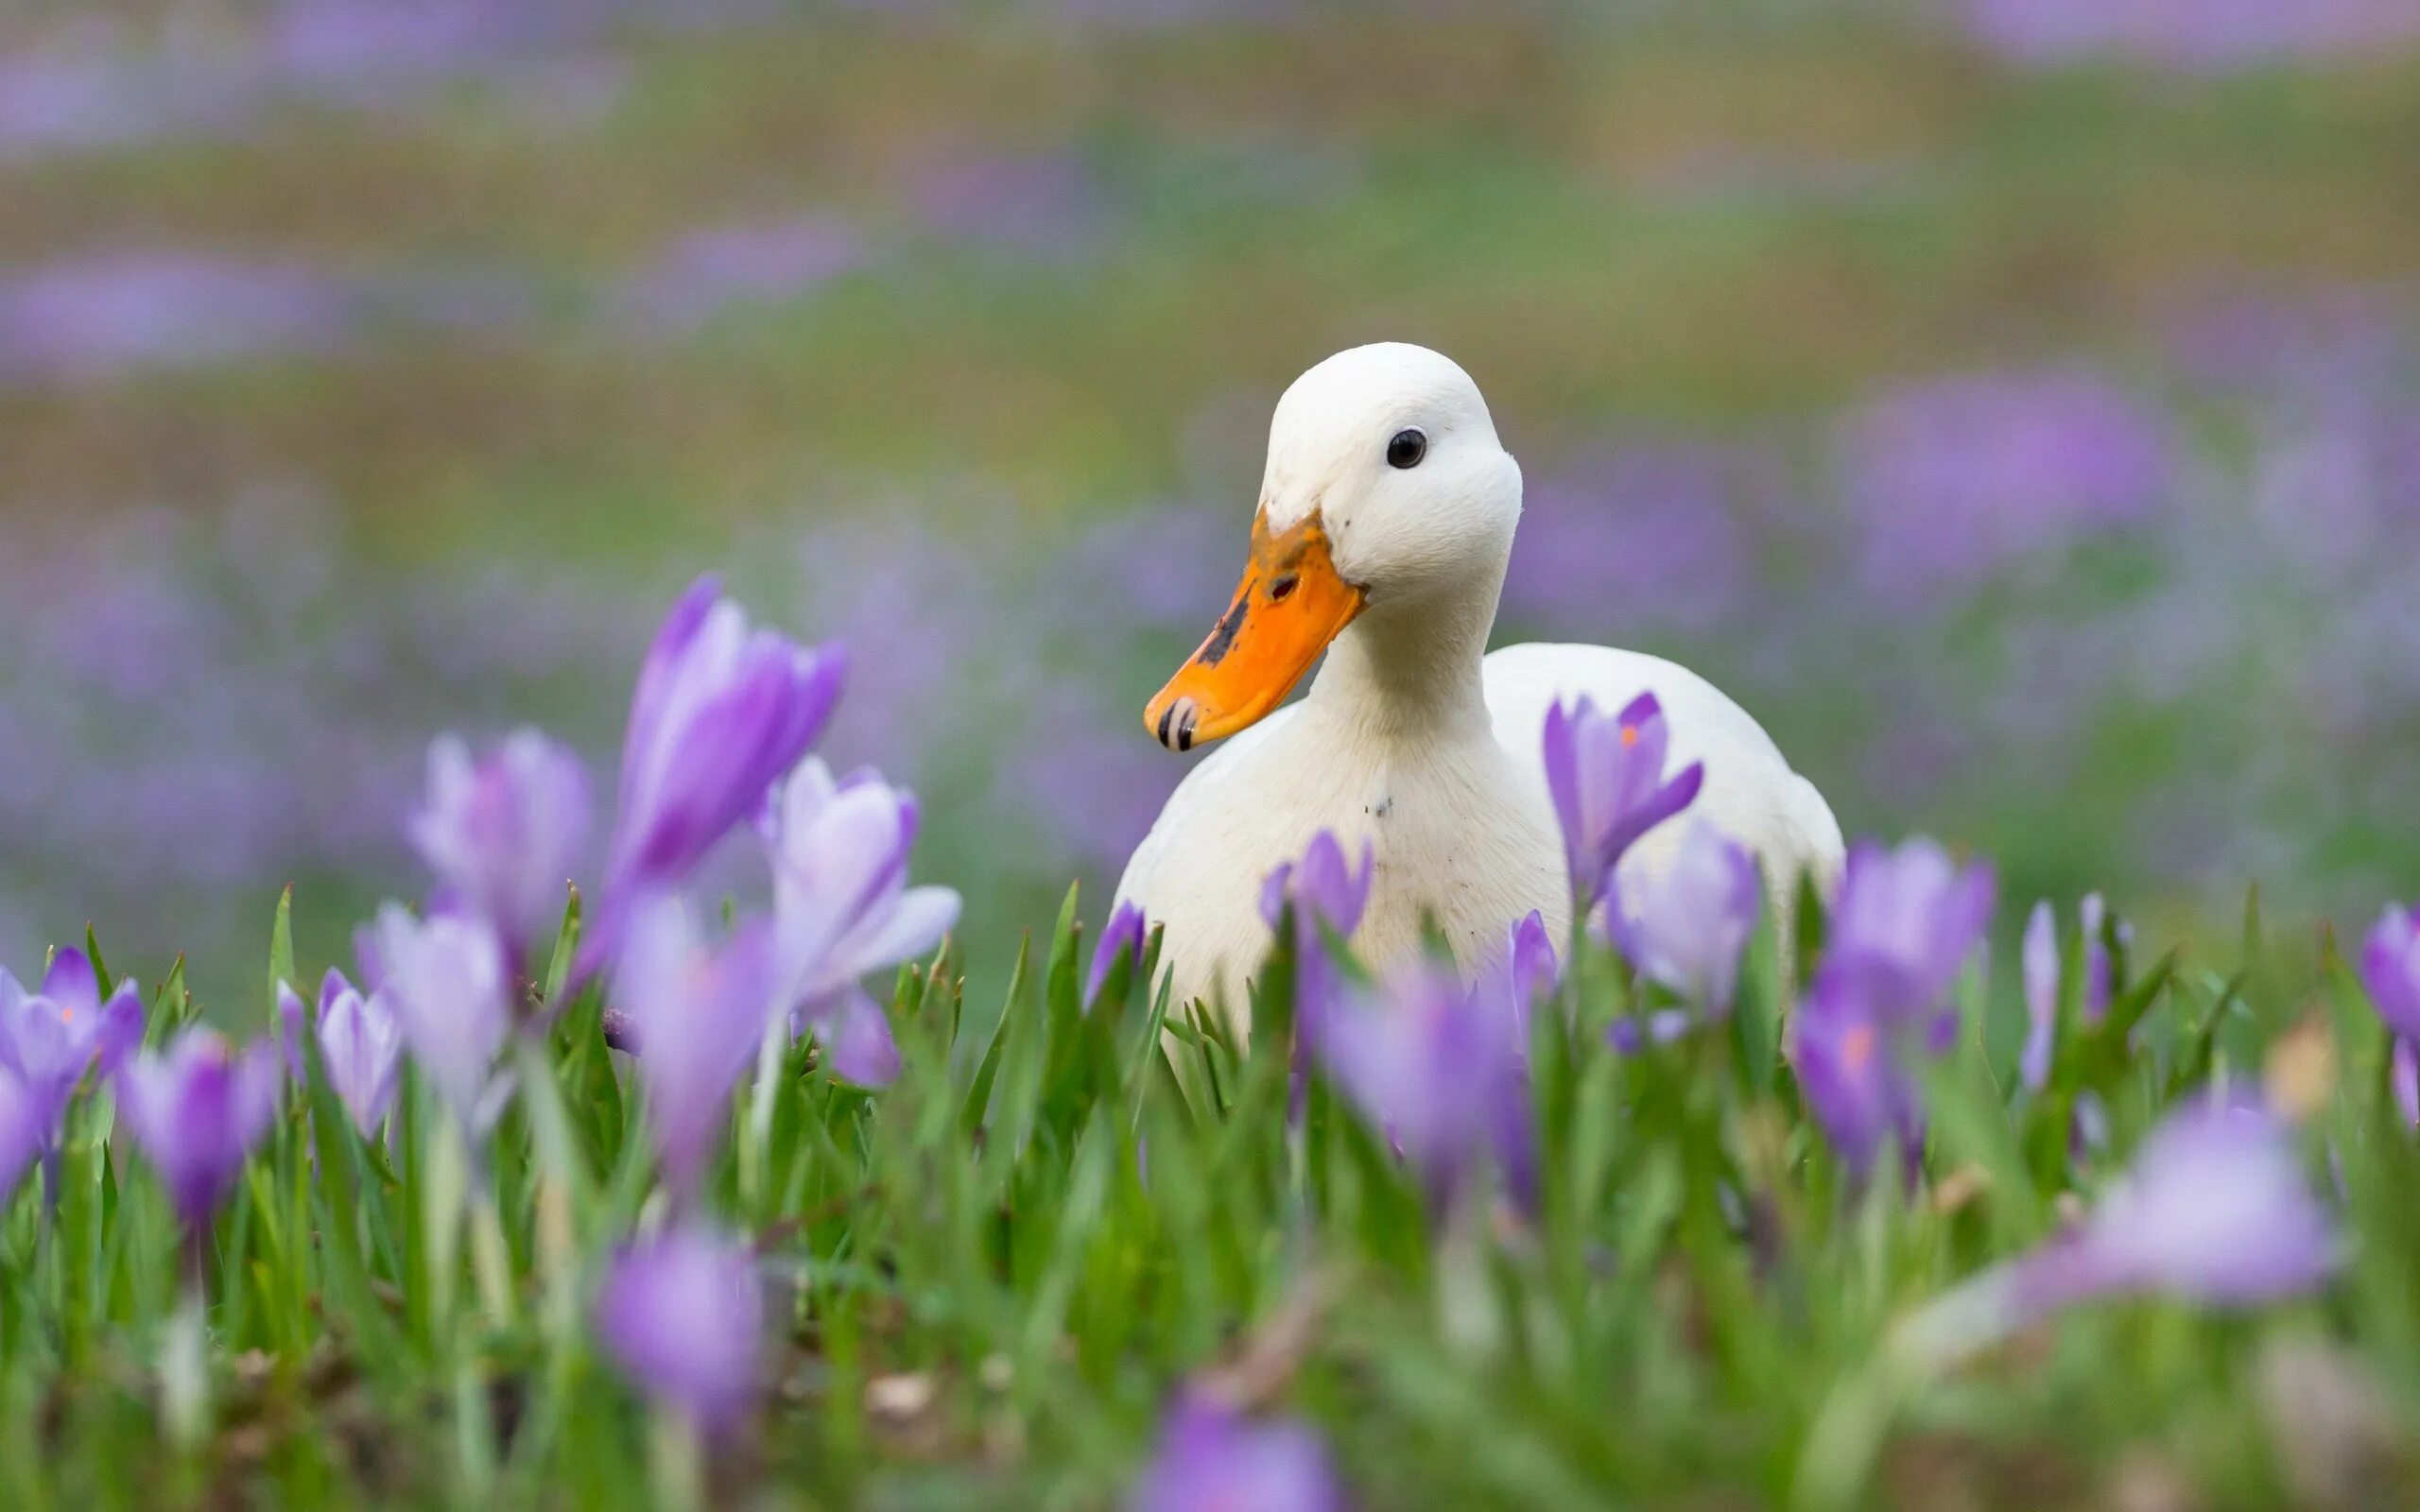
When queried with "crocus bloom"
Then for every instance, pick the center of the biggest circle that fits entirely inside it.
(22, 1136)
(504, 832)
(698, 1012)
(1212, 1458)
(196, 1110)
(1907, 922)
(843, 908)
(682, 1316)
(2216, 1210)
(1607, 778)
(1686, 925)
(1124, 935)
(1529, 962)
(446, 982)
(2390, 970)
(1325, 888)
(49, 1040)
(721, 712)
(1851, 1072)
(2040, 964)
(1438, 1066)
(361, 1047)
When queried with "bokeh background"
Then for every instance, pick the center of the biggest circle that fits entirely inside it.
(2014, 402)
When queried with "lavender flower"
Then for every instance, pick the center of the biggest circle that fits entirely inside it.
(1607, 778)
(721, 712)
(1124, 935)
(2390, 970)
(361, 1048)
(504, 833)
(196, 1110)
(1686, 926)
(843, 908)
(710, 272)
(682, 1316)
(698, 1013)
(445, 979)
(1212, 1458)
(1438, 1066)
(2215, 1211)
(49, 1040)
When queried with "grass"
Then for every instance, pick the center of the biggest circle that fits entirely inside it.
(993, 1274)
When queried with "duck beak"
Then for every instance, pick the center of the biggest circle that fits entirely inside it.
(1291, 605)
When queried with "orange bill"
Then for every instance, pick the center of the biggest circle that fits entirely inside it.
(1291, 604)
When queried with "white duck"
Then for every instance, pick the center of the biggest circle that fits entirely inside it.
(1385, 524)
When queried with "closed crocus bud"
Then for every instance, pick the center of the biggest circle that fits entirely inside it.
(446, 985)
(698, 1012)
(1686, 925)
(1325, 888)
(361, 1047)
(1212, 1458)
(722, 711)
(842, 909)
(196, 1110)
(683, 1317)
(1529, 962)
(1124, 935)
(503, 831)
(1606, 775)
(2039, 965)
(49, 1040)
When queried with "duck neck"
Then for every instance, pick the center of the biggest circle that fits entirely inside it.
(1408, 668)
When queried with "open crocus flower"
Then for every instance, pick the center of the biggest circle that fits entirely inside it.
(361, 1047)
(1324, 888)
(1687, 925)
(721, 712)
(2216, 1210)
(49, 1040)
(1907, 922)
(196, 1110)
(2390, 970)
(1606, 775)
(446, 983)
(1124, 935)
(504, 832)
(1212, 1458)
(698, 1013)
(682, 1315)
(842, 909)
(1437, 1065)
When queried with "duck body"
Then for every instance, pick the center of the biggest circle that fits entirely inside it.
(1390, 557)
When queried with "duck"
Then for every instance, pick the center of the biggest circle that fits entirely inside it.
(1377, 551)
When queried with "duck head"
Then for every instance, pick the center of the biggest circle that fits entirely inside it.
(1386, 493)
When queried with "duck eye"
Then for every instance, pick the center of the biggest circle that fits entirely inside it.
(1406, 449)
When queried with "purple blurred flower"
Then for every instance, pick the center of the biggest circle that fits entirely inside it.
(361, 1047)
(1212, 1458)
(1686, 925)
(2404, 1081)
(721, 712)
(1851, 1072)
(504, 833)
(1907, 922)
(683, 1317)
(698, 1012)
(706, 273)
(445, 978)
(2040, 965)
(1952, 478)
(196, 1110)
(1531, 964)
(100, 316)
(22, 1135)
(2391, 969)
(1325, 888)
(1124, 935)
(1643, 537)
(49, 1040)
(1437, 1065)
(1607, 778)
(2202, 36)
(1045, 206)
(843, 908)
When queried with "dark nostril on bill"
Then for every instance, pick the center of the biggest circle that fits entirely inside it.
(1283, 588)
(1165, 716)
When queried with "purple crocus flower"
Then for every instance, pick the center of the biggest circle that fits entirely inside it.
(1850, 1072)
(2390, 970)
(682, 1315)
(1607, 778)
(1907, 922)
(2403, 1080)
(1529, 962)
(1323, 886)
(22, 1134)
(446, 982)
(1437, 1065)
(1124, 935)
(1212, 1458)
(361, 1047)
(1686, 925)
(721, 712)
(49, 1040)
(843, 908)
(698, 1012)
(504, 832)
(2040, 965)
(196, 1110)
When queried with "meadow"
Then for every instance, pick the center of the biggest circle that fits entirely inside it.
(2017, 406)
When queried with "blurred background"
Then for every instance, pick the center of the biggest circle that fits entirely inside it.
(2015, 404)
